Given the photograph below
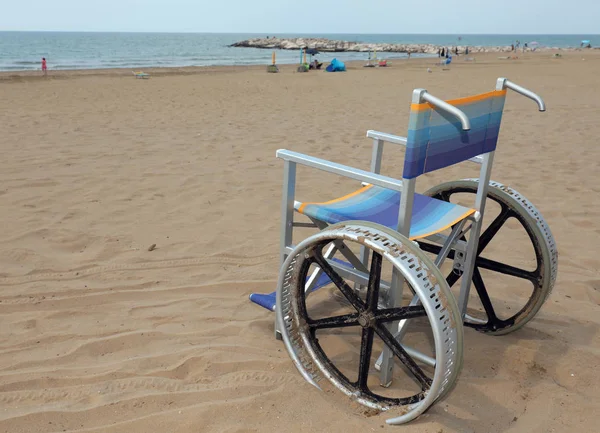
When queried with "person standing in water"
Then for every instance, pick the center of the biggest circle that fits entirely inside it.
(44, 66)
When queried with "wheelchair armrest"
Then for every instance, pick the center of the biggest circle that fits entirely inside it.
(396, 139)
(339, 169)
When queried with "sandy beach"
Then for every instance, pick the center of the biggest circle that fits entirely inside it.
(99, 332)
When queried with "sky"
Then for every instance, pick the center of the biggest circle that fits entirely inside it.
(306, 16)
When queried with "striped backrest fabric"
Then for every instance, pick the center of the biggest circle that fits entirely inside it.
(436, 139)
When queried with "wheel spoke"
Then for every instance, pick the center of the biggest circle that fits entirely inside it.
(406, 359)
(430, 248)
(374, 280)
(484, 296)
(366, 347)
(400, 313)
(339, 282)
(493, 265)
(435, 249)
(509, 208)
(494, 228)
(330, 365)
(444, 196)
(334, 322)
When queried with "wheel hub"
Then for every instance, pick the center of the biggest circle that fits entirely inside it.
(366, 319)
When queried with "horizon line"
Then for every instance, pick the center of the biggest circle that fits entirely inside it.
(291, 33)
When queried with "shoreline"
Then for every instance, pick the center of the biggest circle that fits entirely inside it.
(177, 69)
(164, 71)
(125, 72)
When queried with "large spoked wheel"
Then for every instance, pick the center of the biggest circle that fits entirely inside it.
(526, 266)
(326, 341)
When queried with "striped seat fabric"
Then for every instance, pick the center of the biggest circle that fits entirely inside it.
(381, 205)
(435, 140)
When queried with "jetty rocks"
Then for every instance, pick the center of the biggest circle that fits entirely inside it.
(328, 45)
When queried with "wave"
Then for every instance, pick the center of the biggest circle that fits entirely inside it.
(27, 62)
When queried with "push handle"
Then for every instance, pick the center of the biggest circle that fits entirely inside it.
(503, 83)
(420, 95)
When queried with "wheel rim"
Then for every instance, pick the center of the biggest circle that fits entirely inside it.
(300, 329)
(371, 318)
(541, 279)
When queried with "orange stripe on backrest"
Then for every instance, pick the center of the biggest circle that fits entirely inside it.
(461, 101)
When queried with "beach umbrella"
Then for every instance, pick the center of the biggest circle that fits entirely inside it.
(586, 41)
(533, 43)
(312, 51)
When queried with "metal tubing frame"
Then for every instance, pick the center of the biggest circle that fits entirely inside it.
(480, 199)
(473, 241)
(442, 105)
(451, 240)
(397, 139)
(339, 169)
(287, 208)
(375, 168)
(287, 220)
(504, 83)
(397, 283)
(384, 136)
(312, 280)
(404, 220)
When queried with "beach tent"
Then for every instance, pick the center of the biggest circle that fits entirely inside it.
(336, 66)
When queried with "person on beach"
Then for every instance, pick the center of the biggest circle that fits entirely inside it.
(44, 66)
(443, 52)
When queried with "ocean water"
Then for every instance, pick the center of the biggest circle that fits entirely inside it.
(71, 50)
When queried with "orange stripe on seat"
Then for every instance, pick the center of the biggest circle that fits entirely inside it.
(460, 101)
(352, 194)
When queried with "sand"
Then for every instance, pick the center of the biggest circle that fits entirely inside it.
(99, 334)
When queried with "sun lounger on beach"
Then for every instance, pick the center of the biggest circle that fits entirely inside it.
(141, 75)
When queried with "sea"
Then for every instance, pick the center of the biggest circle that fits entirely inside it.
(87, 50)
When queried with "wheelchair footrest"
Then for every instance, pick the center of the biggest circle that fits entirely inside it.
(268, 300)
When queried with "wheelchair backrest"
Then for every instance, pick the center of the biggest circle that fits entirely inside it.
(436, 139)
